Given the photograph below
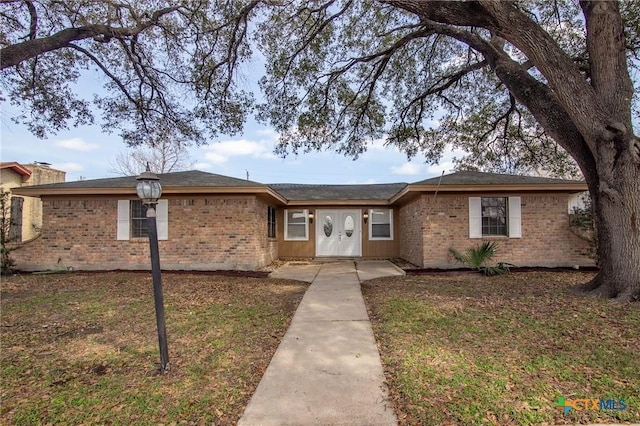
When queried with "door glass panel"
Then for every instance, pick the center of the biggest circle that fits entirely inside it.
(328, 226)
(348, 225)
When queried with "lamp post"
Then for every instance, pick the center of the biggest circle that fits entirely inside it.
(149, 190)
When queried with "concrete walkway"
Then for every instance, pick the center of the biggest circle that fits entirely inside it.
(327, 369)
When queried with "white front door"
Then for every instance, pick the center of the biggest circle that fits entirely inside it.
(338, 233)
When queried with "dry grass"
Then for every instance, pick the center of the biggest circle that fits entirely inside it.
(82, 348)
(457, 349)
(467, 349)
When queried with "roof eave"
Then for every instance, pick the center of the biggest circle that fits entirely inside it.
(39, 192)
(18, 168)
(520, 187)
(330, 202)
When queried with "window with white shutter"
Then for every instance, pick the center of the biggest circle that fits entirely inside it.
(495, 216)
(132, 220)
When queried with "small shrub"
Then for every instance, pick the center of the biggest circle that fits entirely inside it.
(477, 257)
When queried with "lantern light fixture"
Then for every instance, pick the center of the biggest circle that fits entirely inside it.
(148, 187)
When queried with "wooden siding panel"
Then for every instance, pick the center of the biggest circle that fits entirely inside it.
(307, 249)
(295, 249)
(381, 249)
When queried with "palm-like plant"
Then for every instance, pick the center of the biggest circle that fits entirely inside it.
(476, 257)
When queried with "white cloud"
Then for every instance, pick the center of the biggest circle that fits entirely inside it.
(410, 169)
(378, 145)
(68, 167)
(202, 166)
(269, 133)
(76, 144)
(221, 152)
(215, 158)
(437, 169)
(447, 164)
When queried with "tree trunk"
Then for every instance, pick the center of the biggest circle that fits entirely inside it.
(617, 221)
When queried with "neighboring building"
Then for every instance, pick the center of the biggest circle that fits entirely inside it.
(207, 221)
(26, 212)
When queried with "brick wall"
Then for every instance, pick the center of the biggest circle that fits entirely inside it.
(230, 232)
(410, 230)
(546, 237)
(205, 233)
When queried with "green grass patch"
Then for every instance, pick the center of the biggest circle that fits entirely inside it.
(470, 350)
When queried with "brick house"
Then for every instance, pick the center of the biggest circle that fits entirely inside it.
(26, 212)
(208, 221)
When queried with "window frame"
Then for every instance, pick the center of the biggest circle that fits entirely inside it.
(272, 230)
(371, 223)
(305, 212)
(492, 204)
(138, 224)
(514, 221)
(123, 220)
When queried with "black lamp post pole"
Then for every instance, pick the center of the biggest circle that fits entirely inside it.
(157, 286)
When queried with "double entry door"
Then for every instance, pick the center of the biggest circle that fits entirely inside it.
(338, 233)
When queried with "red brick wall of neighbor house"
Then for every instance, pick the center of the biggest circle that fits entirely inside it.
(546, 237)
(205, 233)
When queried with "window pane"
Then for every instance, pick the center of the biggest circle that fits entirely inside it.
(296, 224)
(296, 231)
(494, 216)
(271, 222)
(348, 225)
(138, 219)
(328, 226)
(381, 216)
(296, 216)
(380, 223)
(381, 230)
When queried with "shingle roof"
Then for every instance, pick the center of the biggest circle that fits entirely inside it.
(301, 192)
(481, 178)
(200, 182)
(192, 178)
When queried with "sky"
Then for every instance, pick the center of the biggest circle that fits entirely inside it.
(88, 153)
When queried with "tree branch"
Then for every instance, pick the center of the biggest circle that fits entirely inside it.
(105, 70)
(16, 53)
(441, 85)
(33, 14)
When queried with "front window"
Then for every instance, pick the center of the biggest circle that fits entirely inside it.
(138, 219)
(380, 224)
(296, 225)
(494, 216)
(271, 222)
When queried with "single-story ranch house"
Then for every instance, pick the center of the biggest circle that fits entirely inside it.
(208, 221)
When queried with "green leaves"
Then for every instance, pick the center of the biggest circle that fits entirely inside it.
(477, 257)
(159, 64)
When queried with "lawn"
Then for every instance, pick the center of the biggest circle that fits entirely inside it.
(466, 349)
(82, 348)
(459, 348)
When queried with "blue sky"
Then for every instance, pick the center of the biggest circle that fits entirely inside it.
(90, 153)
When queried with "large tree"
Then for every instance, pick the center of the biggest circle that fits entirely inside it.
(517, 84)
(504, 79)
(160, 62)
